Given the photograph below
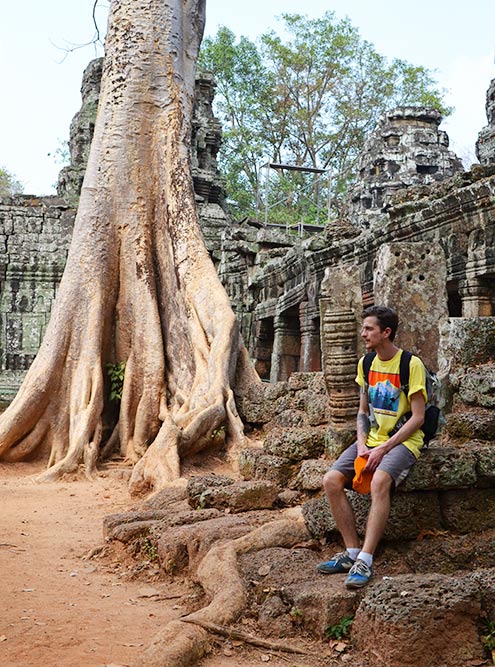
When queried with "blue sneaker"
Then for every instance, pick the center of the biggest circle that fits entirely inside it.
(359, 575)
(340, 563)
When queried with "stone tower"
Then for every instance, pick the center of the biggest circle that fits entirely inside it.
(485, 146)
(406, 148)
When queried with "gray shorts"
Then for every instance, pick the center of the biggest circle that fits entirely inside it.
(397, 462)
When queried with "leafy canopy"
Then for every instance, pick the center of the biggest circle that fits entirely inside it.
(309, 98)
(9, 184)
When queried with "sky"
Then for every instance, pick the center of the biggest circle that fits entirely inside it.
(40, 81)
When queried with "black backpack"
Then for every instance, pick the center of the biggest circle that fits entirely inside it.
(432, 411)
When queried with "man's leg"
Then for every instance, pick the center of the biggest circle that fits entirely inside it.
(379, 510)
(393, 468)
(334, 484)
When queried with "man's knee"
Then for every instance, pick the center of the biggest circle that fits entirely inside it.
(381, 484)
(333, 482)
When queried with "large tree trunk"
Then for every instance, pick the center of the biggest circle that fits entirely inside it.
(139, 285)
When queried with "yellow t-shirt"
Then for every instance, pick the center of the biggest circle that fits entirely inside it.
(389, 403)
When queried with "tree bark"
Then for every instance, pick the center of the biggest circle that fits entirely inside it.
(139, 285)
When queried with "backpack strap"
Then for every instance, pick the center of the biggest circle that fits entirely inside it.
(404, 369)
(367, 361)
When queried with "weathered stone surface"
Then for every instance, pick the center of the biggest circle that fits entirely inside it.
(255, 464)
(318, 518)
(240, 496)
(311, 601)
(337, 440)
(408, 620)
(341, 306)
(198, 486)
(288, 498)
(465, 511)
(298, 381)
(471, 423)
(485, 463)
(406, 148)
(442, 468)
(296, 444)
(412, 278)
(477, 386)
(316, 407)
(409, 515)
(485, 145)
(467, 342)
(310, 475)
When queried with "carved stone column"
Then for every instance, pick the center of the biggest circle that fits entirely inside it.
(339, 365)
(264, 347)
(286, 346)
(476, 298)
(310, 360)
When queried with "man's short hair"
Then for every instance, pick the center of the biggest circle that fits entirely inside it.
(387, 317)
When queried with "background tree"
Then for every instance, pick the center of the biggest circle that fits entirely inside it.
(9, 184)
(308, 99)
(139, 287)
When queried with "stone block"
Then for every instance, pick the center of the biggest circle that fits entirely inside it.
(477, 386)
(295, 443)
(411, 278)
(442, 468)
(289, 418)
(410, 514)
(255, 464)
(485, 463)
(317, 383)
(241, 496)
(466, 342)
(310, 476)
(259, 412)
(299, 381)
(472, 423)
(469, 510)
(337, 440)
(411, 620)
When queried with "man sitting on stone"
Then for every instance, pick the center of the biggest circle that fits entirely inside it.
(389, 457)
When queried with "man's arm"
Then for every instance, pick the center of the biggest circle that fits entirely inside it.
(362, 424)
(414, 423)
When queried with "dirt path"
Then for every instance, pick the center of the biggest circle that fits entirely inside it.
(61, 609)
(58, 609)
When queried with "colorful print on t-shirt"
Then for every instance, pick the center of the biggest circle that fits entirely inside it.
(384, 392)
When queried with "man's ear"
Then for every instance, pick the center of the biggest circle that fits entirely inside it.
(387, 331)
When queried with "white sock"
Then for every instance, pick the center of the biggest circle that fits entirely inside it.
(353, 552)
(368, 558)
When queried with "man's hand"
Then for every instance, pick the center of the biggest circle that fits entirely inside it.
(375, 455)
(362, 450)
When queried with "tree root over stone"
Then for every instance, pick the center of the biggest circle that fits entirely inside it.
(183, 642)
(232, 633)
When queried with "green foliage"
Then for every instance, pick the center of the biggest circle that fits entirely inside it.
(488, 638)
(61, 155)
(149, 549)
(341, 629)
(296, 616)
(309, 99)
(9, 184)
(116, 374)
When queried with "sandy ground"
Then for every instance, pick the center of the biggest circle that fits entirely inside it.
(58, 608)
